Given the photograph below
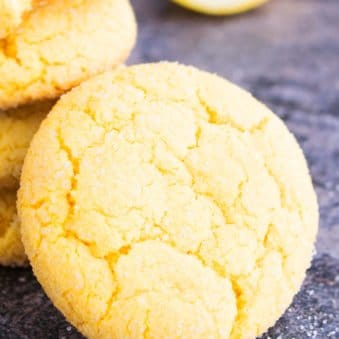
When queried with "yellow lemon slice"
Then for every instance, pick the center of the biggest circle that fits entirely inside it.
(220, 7)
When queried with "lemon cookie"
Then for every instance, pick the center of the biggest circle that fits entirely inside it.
(220, 7)
(59, 44)
(17, 127)
(11, 14)
(11, 249)
(169, 203)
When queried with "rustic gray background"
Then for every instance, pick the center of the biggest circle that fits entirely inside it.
(287, 54)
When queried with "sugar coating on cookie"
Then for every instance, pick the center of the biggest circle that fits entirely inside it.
(11, 15)
(17, 127)
(61, 43)
(168, 203)
(11, 249)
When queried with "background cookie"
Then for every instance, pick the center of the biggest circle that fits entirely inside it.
(60, 44)
(173, 201)
(11, 249)
(17, 127)
(11, 14)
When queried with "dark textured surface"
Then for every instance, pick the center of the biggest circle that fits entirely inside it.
(287, 54)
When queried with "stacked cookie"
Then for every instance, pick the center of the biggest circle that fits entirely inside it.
(48, 47)
(17, 127)
(155, 201)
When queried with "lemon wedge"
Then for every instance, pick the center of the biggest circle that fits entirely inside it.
(220, 7)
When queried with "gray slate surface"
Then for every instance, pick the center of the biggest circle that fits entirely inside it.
(287, 54)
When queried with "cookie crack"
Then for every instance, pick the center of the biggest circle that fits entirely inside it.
(213, 117)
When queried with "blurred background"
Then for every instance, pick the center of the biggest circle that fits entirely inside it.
(287, 54)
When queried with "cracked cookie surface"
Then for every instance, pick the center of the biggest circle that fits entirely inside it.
(11, 15)
(168, 203)
(61, 43)
(11, 249)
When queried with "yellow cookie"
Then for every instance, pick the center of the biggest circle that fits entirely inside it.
(169, 203)
(17, 127)
(59, 44)
(11, 249)
(11, 14)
